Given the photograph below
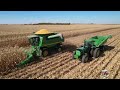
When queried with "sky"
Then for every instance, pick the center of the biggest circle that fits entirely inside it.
(30, 17)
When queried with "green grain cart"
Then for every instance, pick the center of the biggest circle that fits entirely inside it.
(91, 48)
(42, 43)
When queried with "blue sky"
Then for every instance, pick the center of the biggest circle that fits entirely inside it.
(27, 17)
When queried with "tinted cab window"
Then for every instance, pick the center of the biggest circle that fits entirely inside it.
(34, 41)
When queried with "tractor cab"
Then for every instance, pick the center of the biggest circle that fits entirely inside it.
(34, 40)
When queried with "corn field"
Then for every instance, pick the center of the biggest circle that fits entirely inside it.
(14, 43)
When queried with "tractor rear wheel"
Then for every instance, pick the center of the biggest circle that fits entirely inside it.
(85, 58)
(91, 52)
(45, 53)
(96, 53)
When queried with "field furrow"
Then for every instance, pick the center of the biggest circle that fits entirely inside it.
(37, 65)
(87, 66)
(61, 70)
(46, 69)
(60, 65)
(104, 63)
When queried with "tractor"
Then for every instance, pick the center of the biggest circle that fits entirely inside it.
(42, 43)
(91, 48)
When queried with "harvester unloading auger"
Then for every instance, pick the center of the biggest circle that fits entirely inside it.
(92, 47)
(42, 43)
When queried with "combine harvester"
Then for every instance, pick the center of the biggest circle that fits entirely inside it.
(92, 47)
(42, 43)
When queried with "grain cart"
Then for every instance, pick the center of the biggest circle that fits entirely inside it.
(92, 47)
(42, 42)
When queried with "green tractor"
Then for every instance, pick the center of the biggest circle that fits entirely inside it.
(91, 48)
(42, 43)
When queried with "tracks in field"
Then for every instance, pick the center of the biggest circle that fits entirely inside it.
(61, 65)
(42, 65)
(103, 63)
(85, 69)
(91, 32)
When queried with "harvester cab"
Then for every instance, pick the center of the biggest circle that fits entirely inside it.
(34, 40)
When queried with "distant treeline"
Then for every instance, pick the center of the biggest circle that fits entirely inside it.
(4, 24)
(49, 24)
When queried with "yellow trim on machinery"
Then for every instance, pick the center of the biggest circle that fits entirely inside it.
(43, 31)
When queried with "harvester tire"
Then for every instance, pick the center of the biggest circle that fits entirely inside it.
(85, 58)
(96, 53)
(59, 49)
(45, 53)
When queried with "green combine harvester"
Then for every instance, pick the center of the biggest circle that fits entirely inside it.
(42, 43)
(91, 48)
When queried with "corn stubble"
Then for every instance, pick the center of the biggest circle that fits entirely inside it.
(21, 42)
(10, 57)
(57, 66)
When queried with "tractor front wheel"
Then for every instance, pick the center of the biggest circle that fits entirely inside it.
(96, 53)
(85, 58)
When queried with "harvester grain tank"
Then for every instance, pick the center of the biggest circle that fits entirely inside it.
(42, 42)
(92, 47)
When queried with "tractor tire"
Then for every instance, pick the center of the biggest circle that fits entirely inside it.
(103, 48)
(45, 53)
(96, 53)
(91, 52)
(85, 58)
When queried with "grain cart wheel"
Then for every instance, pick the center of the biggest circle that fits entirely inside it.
(96, 53)
(102, 48)
(45, 53)
(85, 58)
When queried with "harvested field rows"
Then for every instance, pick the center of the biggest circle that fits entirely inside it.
(62, 66)
(12, 39)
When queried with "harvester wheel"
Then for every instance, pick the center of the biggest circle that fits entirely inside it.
(96, 53)
(45, 53)
(59, 49)
(85, 58)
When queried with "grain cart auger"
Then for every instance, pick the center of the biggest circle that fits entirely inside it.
(43, 42)
(92, 47)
